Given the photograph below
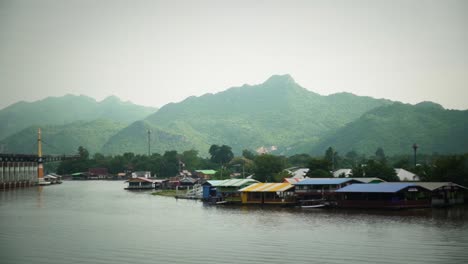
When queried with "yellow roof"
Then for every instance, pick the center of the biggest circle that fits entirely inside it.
(267, 187)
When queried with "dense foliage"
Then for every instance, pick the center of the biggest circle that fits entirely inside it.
(271, 168)
(397, 127)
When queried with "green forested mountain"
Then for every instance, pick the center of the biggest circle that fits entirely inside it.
(277, 113)
(62, 139)
(397, 127)
(68, 109)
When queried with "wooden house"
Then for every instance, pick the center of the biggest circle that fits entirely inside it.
(268, 193)
(383, 196)
(445, 193)
(321, 188)
(140, 183)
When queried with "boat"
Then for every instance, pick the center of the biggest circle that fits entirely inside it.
(42, 183)
(310, 204)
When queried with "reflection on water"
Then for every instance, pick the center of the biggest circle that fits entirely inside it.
(99, 222)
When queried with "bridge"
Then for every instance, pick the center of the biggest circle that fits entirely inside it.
(23, 170)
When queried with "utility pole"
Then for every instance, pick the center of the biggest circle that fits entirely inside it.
(415, 148)
(149, 142)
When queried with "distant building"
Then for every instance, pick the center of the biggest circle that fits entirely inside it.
(343, 172)
(405, 175)
(298, 173)
(141, 174)
(205, 174)
(402, 174)
(98, 173)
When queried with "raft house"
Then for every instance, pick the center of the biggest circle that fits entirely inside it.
(227, 190)
(445, 193)
(383, 196)
(139, 183)
(321, 188)
(268, 194)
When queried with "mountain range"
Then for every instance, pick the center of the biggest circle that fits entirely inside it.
(278, 115)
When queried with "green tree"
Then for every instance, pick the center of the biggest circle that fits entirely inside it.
(83, 153)
(266, 166)
(380, 155)
(352, 158)
(332, 157)
(319, 168)
(190, 159)
(221, 154)
(248, 154)
(299, 160)
(375, 169)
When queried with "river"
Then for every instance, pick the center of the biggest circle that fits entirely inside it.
(99, 222)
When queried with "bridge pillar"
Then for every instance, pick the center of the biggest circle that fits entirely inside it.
(1, 172)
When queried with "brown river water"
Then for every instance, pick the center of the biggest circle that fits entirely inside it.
(100, 222)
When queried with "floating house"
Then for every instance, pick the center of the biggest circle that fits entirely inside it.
(383, 196)
(229, 189)
(140, 183)
(445, 193)
(268, 193)
(80, 176)
(321, 188)
(209, 190)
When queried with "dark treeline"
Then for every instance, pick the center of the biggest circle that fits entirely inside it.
(267, 167)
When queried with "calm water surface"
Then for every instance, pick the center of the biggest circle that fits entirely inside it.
(99, 222)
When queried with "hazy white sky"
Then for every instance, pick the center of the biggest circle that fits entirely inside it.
(156, 52)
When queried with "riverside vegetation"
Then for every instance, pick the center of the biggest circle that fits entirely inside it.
(271, 168)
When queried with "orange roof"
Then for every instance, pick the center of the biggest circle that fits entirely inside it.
(267, 187)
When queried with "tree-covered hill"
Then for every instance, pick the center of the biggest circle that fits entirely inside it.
(278, 112)
(397, 127)
(62, 139)
(68, 109)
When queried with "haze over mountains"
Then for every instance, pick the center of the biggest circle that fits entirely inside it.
(277, 114)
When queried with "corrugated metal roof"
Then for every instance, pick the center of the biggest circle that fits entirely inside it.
(236, 182)
(207, 172)
(267, 187)
(139, 179)
(385, 187)
(436, 185)
(292, 180)
(323, 181)
(367, 180)
(215, 183)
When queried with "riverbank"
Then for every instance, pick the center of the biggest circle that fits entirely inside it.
(167, 193)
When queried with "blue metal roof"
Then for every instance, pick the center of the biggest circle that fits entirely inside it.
(385, 187)
(323, 181)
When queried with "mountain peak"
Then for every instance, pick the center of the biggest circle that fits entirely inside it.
(112, 98)
(429, 105)
(280, 79)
